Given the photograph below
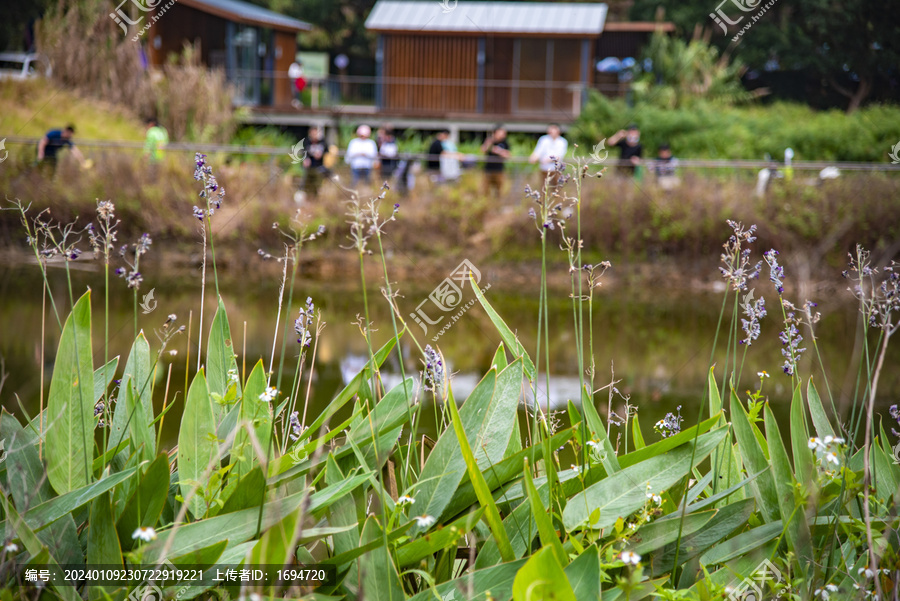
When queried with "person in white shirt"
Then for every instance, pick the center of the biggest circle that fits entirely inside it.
(550, 147)
(362, 156)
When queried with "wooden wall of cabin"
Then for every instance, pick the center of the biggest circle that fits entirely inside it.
(498, 74)
(285, 51)
(415, 59)
(182, 24)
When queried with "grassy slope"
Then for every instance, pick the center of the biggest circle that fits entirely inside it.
(31, 108)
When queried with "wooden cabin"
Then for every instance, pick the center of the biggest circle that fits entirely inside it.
(254, 46)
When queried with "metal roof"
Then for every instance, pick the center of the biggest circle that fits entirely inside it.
(467, 16)
(244, 12)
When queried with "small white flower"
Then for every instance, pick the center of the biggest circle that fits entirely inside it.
(813, 443)
(869, 573)
(655, 498)
(630, 525)
(828, 440)
(145, 534)
(424, 521)
(12, 548)
(595, 446)
(405, 500)
(831, 588)
(832, 458)
(762, 374)
(630, 558)
(269, 395)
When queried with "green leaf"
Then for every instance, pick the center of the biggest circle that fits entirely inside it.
(755, 461)
(146, 504)
(658, 533)
(342, 512)
(584, 575)
(70, 404)
(220, 358)
(246, 492)
(626, 491)
(637, 435)
(142, 433)
(205, 557)
(445, 537)
(803, 458)
(727, 520)
(542, 578)
(598, 431)
(276, 546)
(547, 532)
(35, 548)
(57, 507)
(103, 376)
(236, 527)
(507, 335)
(817, 411)
(382, 425)
(444, 468)
(103, 543)
(666, 444)
(491, 514)
(197, 446)
(137, 370)
(499, 361)
(379, 580)
(496, 579)
(255, 414)
(743, 543)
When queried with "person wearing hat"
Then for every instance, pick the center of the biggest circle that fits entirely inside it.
(630, 149)
(362, 156)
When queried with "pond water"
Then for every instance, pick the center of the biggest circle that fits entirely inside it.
(657, 339)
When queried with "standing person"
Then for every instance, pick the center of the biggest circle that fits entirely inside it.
(664, 168)
(157, 139)
(362, 155)
(496, 151)
(387, 154)
(55, 140)
(433, 161)
(314, 163)
(550, 149)
(449, 160)
(630, 148)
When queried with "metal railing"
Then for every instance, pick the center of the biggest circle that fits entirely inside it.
(429, 94)
(285, 152)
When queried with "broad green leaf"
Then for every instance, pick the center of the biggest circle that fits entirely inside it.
(549, 537)
(383, 424)
(197, 446)
(205, 557)
(755, 461)
(220, 358)
(624, 492)
(658, 533)
(798, 535)
(584, 575)
(35, 548)
(102, 542)
(497, 579)
(743, 543)
(378, 576)
(342, 512)
(57, 507)
(28, 488)
(715, 401)
(236, 527)
(69, 439)
(246, 493)
(542, 578)
(446, 537)
(103, 376)
(444, 468)
(146, 504)
(255, 414)
(727, 520)
(507, 335)
(276, 546)
(491, 514)
(598, 431)
(661, 446)
(499, 361)
(720, 496)
(803, 459)
(817, 411)
(137, 370)
(637, 435)
(141, 432)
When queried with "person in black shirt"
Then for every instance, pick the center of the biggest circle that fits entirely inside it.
(315, 169)
(54, 141)
(433, 164)
(496, 151)
(630, 149)
(387, 154)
